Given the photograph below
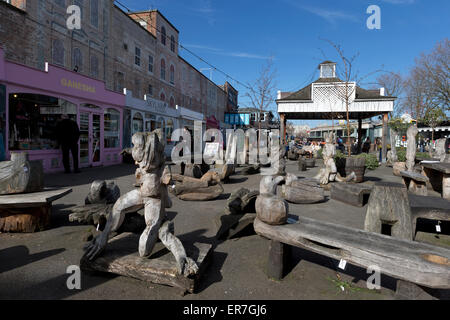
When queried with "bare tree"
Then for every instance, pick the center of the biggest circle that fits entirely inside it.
(262, 91)
(393, 83)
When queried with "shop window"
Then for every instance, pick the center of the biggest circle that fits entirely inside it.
(172, 43)
(112, 128)
(58, 52)
(77, 60)
(169, 129)
(138, 123)
(172, 74)
(163, 69)
(33, 119)
(163, 36)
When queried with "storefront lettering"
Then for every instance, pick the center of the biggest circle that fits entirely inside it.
(77, 85)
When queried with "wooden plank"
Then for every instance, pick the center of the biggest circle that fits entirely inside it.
(352, 194)
(121, 257)
(414, 176)
(419, 263)
(441, 167)
(35, 199)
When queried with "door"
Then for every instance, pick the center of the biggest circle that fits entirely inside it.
(90, 139)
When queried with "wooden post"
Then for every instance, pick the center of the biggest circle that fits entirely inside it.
(384, 140)
(283, 128)
(276, 261)
(359, 135)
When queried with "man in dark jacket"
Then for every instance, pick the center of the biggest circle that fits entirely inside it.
(68, 134)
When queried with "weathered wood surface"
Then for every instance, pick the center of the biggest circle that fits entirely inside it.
(431, 208)
(35, 199)
(229, 225)
(301, 164)
(300, 193)
(25, 220)
(352, 194)
(419, 263)
(272, 209)
(356, 165)
(21, 175)
(411, 147)
(201, 194)
(389, 205)
(193, 170)
(440, 167)
(397, 167)
(415, 182)
(121, 257)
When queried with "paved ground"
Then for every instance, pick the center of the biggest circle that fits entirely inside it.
(33, 266)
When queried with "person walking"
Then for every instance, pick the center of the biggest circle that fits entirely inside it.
(366, 145)
(68, 135)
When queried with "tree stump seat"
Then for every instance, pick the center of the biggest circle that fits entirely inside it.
(415, 182)
(416, 263)
(28, 212)
(353, 194)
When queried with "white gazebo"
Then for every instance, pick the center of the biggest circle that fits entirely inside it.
(325, 98)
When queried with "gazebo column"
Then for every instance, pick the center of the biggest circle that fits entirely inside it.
(384, 140)
(359, 134)
(283, 128)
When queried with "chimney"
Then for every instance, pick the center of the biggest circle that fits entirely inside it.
(382, 91)
(278, 94)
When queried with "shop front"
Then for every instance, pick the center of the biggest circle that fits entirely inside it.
(32, 102)
(147, 115)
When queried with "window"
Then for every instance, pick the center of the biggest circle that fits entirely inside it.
(172, 43)
(61, 2)
(163, 69)
(150, 90)
(77, 60)
(94, 66)
(150, 64)
(33, 119)
(80, 4)
(137, 56)
(58, 52)
(138, 123)
(172, 102)
(112, 128)
(137, 88)
(163, 36)
(120, 79)
(94, 13)
(162, 96)
(172, 74)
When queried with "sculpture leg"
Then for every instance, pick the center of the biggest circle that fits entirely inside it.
(154, 214)
(185, 265)
(129, 202)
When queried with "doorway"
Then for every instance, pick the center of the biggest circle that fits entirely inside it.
(90, 139)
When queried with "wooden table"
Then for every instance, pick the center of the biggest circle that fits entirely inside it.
(439, 175)
(28, 212)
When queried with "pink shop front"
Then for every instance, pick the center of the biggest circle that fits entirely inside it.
(32, 102)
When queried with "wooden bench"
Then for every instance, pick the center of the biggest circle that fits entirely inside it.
(439, 177)
(413, 262)
(415, 182)
(353, 194)
(28, 212)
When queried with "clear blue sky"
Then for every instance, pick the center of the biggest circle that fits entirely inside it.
(238, 36)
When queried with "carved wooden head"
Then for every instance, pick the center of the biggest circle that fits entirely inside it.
(147, 150)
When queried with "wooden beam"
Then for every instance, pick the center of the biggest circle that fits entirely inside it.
(416, 262)
(384, 140)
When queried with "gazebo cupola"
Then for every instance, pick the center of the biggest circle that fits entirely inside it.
(327, 69)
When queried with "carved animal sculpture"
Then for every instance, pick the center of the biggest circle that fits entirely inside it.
(153, 178)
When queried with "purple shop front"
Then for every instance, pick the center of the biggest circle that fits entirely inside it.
(32, 102)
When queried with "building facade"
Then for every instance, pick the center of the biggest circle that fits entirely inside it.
(134, 55)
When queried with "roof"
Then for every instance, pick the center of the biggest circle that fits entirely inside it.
(305, 93)
(328, 62)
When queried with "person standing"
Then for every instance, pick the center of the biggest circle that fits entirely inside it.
(68, 135)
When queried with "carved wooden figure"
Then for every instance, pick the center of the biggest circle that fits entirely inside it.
(153, 178)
